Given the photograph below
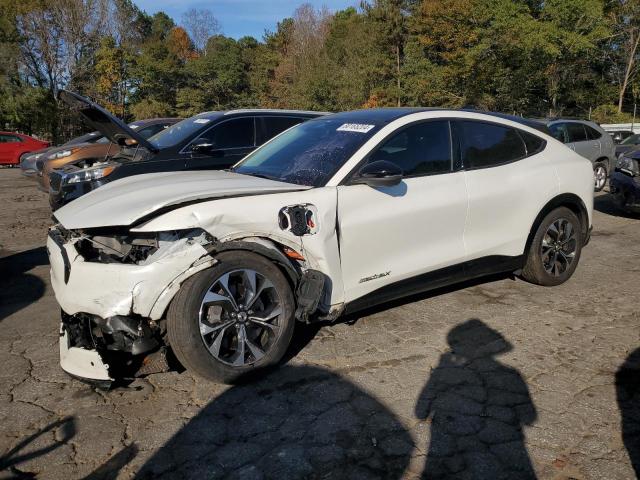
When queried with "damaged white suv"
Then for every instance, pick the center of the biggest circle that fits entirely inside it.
(333, 215)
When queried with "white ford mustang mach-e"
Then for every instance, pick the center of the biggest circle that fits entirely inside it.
(333, 215)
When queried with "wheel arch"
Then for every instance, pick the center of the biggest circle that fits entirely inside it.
(267, 248)
(570, 200)
(608, 163)
(262, 246)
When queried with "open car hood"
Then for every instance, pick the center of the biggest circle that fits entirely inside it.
(127, 201)
(108, 125)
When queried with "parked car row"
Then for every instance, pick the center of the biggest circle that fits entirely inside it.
(210, 140)
(314, 215)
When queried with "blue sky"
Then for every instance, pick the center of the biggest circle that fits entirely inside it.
(241, 17)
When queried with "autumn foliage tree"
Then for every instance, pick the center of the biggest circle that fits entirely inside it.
(528, 57)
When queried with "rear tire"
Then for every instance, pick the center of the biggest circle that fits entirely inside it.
(555, 249)
(600, 173)
(233, 318)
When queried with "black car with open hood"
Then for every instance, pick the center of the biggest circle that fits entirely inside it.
(207, 141)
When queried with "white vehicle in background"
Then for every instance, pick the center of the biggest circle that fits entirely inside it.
(336, 214)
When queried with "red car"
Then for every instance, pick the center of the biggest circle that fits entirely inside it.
(12, 145)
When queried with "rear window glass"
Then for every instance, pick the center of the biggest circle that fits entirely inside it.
(533, 143)
(487, 145)
(269, 127)
(576, 132)
(592, 133)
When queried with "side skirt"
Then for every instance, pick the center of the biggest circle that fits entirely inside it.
(443, 277)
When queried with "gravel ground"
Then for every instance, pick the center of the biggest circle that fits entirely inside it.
(496, 379)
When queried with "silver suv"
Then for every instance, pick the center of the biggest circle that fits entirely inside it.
(589, 140)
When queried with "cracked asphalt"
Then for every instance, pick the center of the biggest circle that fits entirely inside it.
(495, 379)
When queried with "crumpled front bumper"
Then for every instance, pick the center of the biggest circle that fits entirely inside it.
(117, 299)
(110, 289)
(82, 363)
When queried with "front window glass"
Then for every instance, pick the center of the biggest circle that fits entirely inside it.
(179, 132)
(236, 133)
(308, 154)
(421, 149)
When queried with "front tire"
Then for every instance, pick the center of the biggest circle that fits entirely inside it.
(555, 249)
(233, 318)
(600, 174)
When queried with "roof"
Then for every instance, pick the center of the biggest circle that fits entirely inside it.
(217, 114)
(153, 121)
(563, 119)
(387, 115)
(274, 110)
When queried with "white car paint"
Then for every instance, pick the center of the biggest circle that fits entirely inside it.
(131, 198)
(383, 235)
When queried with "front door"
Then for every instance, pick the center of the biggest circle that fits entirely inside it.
(390, 234)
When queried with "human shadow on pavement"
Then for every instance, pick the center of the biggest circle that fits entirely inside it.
(628, 395)
(478, 408)
(9, 461)
(297, 422)
(18, 289)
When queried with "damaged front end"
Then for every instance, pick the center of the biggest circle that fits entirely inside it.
(113, 287)
(102, 350)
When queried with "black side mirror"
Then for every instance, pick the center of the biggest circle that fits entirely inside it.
(381, 173)
(202, 145)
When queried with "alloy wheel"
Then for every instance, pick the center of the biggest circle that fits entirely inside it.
(559, 246)
(600, 174)
(240, 317)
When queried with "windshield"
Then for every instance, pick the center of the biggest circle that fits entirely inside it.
(307, 154)
(179, 132)
(632, 140)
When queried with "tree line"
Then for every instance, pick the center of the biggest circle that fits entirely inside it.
(528, 57)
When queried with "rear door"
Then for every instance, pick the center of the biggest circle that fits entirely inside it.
(580, 142)
(507, 183)
(232, 140)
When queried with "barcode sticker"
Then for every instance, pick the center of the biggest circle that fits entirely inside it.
(354, 127)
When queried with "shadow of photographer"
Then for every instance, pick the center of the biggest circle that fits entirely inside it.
(478, 408)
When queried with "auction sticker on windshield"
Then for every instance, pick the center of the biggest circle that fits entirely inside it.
(201, 120)
(354, 127)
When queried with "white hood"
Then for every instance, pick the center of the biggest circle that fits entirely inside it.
(125, 201)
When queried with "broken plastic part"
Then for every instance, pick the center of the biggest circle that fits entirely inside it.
(308, 293)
